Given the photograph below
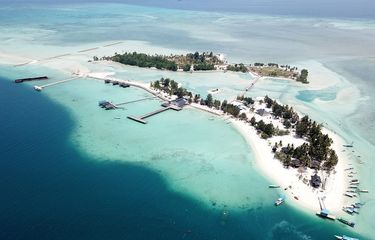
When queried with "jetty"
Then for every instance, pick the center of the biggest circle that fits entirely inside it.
(21, 80)
(134, 101)
(325, 214)
(40, 88)
(88, 50)
(141, 119)
(130, 83)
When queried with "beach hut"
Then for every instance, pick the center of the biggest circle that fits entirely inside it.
(315, 164)
(315, 181)
(262, 112)
(296, 163)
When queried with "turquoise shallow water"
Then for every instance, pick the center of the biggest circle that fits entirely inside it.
(53, 187)
(310, 95)
(176, 176)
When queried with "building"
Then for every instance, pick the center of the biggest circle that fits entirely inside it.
(262, 112)
(315, 181)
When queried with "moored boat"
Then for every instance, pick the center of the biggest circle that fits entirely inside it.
(274, 186)
(343, 237)
(280, 200)
(344, 221)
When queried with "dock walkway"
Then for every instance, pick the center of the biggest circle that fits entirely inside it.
(40, 88)
(140, 119)
(134, 101)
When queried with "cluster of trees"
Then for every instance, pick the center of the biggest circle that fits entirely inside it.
(203, 66)
(267, 130)
(224, 106)
(238, 68)
(257, 64)
(246, 100)
(303, 76)
(202, 57)
(144, 60)
(289, 116)
(171, 87)
(316, 152)
(201, 61)
(231, 109)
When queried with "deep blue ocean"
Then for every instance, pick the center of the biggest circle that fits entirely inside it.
(49, 190)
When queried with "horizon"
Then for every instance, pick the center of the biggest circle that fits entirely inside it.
(319, 8)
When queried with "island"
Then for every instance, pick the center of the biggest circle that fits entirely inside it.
(206, 61)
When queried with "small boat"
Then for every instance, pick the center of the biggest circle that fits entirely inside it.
(344, 221)
(274, 186)
(354, 180)
(349, 210)
(357, 205)
(117, 118)
(279, 201)
(343, 237)
(295, 197)
(348, 145)
(349, 194)
(363, 191)
(349, 175)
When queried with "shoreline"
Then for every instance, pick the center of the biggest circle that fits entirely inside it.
(274, 171)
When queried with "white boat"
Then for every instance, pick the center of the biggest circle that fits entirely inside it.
(343, 237)
(363, 191)
(279, 201)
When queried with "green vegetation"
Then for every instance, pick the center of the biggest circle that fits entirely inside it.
(303, 76)
(200, 61)
(238, 68)
(230, 109)
(203, 66)
(144, 60)
(171, 87)
(247, 100)
(316, 153)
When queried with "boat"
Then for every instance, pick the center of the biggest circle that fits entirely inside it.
(349, 210)
(343, 237)
(363, 191)
(21, 80)
(357, 205)
(279, 201)
(350, 145)
(325, 214)
(349, 194)
(295, 197)
(344, 221)
(274, 186)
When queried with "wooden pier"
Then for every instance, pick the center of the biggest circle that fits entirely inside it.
(140, 119)
(40, 88)
(134, 101)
